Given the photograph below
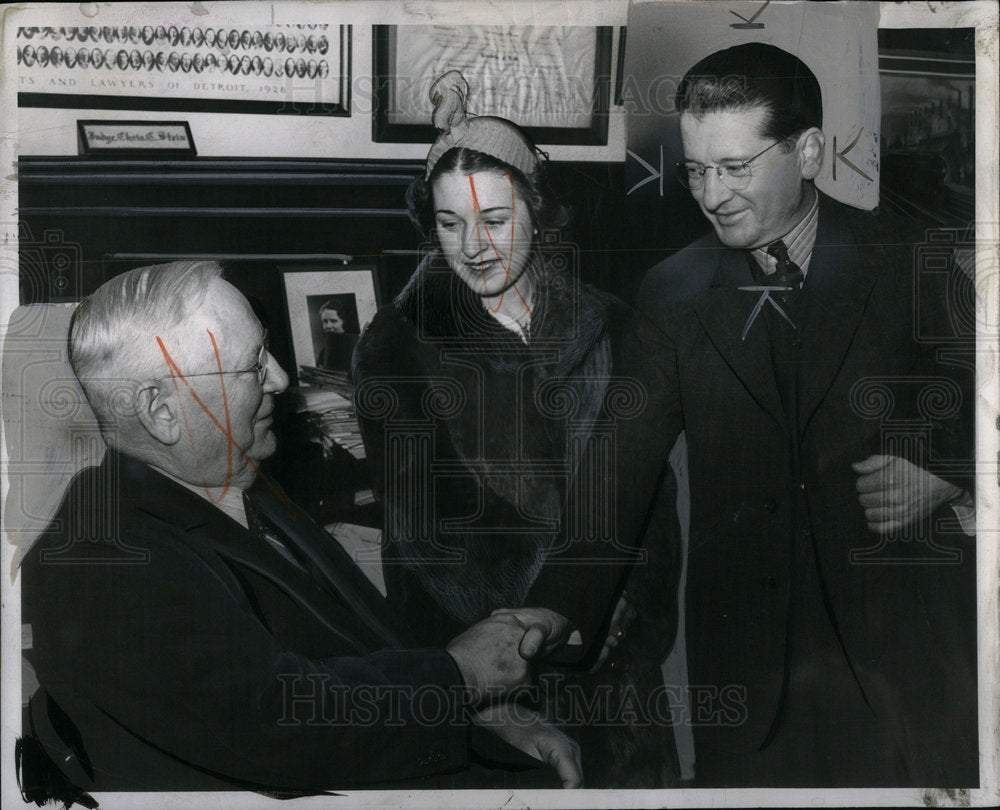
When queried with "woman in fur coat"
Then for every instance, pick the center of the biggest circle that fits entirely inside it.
(488, 394)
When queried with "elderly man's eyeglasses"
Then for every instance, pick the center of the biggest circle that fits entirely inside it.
(735, 174)
(259, 368)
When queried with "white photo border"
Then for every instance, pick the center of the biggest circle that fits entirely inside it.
(980, 14)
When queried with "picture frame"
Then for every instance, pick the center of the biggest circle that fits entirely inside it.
(928, 89)
(263, 69)
(349, 291)
(402, 108)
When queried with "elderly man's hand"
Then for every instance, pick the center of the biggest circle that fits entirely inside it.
(895, 493)
(493, 654)
(528, 732)
(545, 631)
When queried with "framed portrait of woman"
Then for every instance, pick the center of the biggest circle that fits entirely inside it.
(327, 309)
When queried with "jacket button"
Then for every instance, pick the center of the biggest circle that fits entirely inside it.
(770, 584)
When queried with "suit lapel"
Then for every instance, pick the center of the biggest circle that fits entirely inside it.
(332, 564)
(208, 528)
(838, 285)
(232, 542)
(724, 311)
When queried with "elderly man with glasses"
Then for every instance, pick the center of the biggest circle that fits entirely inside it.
(192, 628)
(824, 387)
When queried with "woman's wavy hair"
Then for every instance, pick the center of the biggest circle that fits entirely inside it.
(547, 211)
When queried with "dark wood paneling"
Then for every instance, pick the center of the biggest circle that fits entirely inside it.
(76, 212)
(83, 220)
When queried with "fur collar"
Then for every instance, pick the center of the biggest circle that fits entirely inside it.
(566, 323)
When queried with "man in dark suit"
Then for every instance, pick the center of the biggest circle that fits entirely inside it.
(830, 597)
(193, 629)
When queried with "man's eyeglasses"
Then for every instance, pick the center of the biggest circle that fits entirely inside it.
(735, 175)
(259, 368)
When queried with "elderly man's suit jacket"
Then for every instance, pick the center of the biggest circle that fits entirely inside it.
(177, 650)
(872, 378)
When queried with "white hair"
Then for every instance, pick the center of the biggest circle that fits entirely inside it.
(112, 333)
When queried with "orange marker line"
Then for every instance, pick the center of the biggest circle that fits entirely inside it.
(175, 375)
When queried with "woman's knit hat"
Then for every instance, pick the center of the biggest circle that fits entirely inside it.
(492, 136)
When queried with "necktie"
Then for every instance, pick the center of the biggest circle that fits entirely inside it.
(787, 273)
(316, 549)
(784, 331)
(779, 290)
(261, 527)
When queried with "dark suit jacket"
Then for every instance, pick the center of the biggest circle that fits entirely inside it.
(176, 650)
(871, 379)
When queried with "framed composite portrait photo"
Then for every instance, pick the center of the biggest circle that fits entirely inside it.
(190, 67)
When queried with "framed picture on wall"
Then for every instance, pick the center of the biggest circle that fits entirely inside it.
(282, 69)
(553, 81)
(927, 78)
(327, 308)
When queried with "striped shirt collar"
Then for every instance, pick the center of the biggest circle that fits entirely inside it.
(800, 241)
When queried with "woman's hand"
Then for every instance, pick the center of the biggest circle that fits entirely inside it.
(624, 613)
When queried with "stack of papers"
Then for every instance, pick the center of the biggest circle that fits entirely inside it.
(340, 425)
(336, 380)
